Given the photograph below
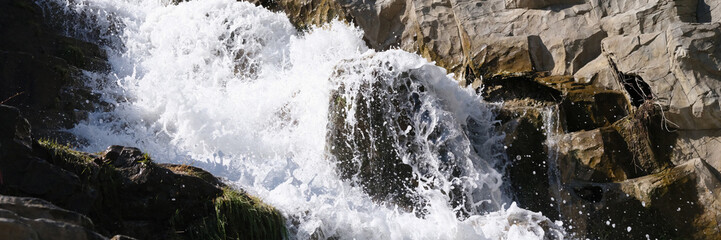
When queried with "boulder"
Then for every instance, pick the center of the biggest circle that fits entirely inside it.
(32, 218)
(121, 189)
(306, 13)
(397, 126)
(599, 155)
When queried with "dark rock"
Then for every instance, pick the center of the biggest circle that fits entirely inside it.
(32, 218)
(528, 169)
(676, 203)
(122, 190)
(367, 152)
(40, 69)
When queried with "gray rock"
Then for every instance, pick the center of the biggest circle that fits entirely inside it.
(682, 67)
(32, 218)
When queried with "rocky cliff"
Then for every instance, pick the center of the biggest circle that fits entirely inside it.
(611, 108)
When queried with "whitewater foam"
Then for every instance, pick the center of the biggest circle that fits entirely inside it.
(233, 88)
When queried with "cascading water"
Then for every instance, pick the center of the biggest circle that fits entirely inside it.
(235, 89)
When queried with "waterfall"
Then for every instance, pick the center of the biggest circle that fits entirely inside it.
(235, 89)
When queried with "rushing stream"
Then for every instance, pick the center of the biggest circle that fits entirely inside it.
(235, 89)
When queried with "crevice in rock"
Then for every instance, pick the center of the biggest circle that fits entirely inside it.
(519, 87)
(638, 90)
(703, 12)
(590, 193)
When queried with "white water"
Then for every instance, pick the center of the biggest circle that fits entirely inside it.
(235, 89)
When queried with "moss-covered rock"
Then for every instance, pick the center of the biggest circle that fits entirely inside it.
(237, 216)
(124, 192)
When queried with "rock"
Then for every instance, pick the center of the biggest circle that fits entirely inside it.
(535, 4)
(678, 69)
(703, 144)
(452, 32)
(25, 174)
(599, 155)
(306, 13)
(32, 218)
(34, 208)
(393, 129)
(522, 90)
(500, 55)
(366, 151)
(683, 196)
(528, 170)
(122, 190)
(40, 69)
(14, 132)
(589, 108)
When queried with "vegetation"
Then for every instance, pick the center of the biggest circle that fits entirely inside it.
(68, 158)
(231, 215)
(239, 216)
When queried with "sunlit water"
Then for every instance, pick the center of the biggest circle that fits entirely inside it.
(237, 90)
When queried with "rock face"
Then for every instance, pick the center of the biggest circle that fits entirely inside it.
(119, 191)
(41, 69)
(633, 92)
(395, 130)
(666, 47)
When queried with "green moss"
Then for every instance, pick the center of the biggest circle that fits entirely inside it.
(238, 216)
(64, 153)
(189, 170)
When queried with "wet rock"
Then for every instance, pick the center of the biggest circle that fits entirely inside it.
(122, 190)
(395, 130)
(307, 13)
(41, 70)
(599, 155)
(528, 170)
(366, 151)
(682, 196)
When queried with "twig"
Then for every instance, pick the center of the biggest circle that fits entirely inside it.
(11, 97)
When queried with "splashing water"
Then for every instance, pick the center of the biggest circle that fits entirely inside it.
(235, 89)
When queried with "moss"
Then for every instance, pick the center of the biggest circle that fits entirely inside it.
(238, 216)
(189, 170)
(67, 158)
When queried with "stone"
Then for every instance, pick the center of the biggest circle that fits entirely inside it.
(599, 155)
(679, 68)
(306, 13)
(41, 68)
(32, 218)
(500, 55)
(528, 168)
(683, 196)
(535, 4)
